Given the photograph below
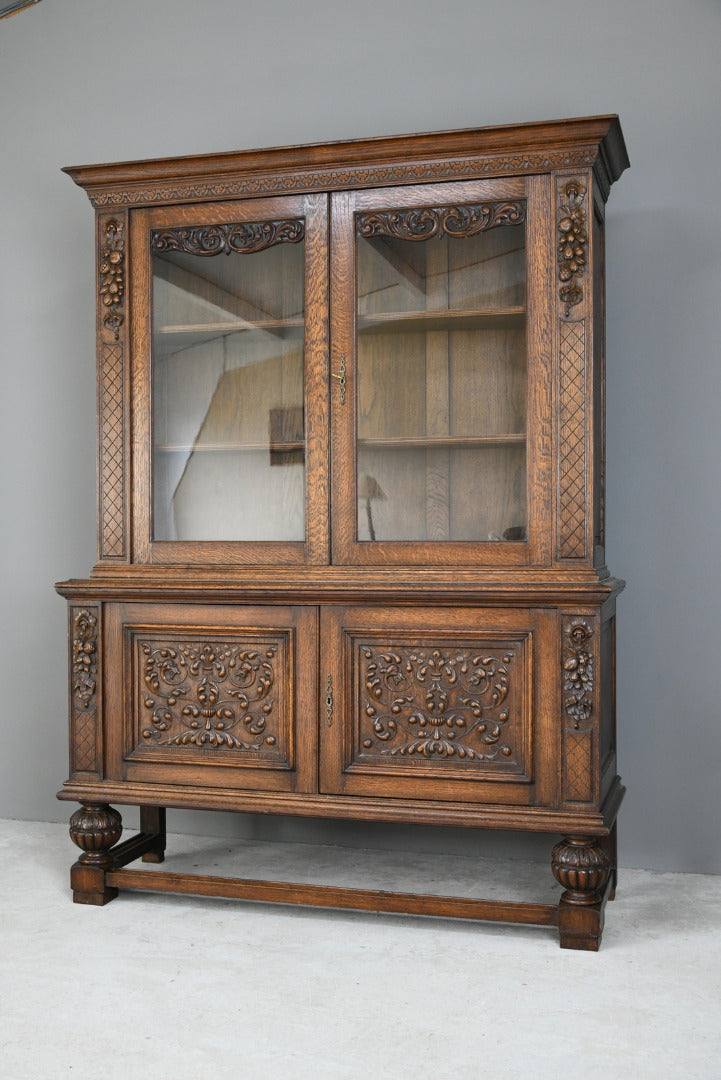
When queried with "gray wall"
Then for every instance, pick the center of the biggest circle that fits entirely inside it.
(90, 80)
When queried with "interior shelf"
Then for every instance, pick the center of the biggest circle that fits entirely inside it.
(389, 322)
(227, 447)
(409, 442)
(173, 338)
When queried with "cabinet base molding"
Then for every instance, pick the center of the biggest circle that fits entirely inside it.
(578, 915)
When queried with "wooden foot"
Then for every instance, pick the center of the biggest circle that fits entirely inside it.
(95, 828)
(583, 867)
(152, 823)
(610, 846)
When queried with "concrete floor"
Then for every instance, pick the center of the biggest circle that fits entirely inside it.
(174, 988)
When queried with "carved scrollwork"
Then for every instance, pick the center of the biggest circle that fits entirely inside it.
(244, 238)
(213, 694)
(434, 703)
(85, 659)
(424, 222)
(111, 270)
(572, 242)
(578, 673)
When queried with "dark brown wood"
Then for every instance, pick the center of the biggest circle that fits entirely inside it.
(583, 867)
(95, 828)
(357, 808)
(328, 896)
(152, 824)
(406, 335)
(519, 148)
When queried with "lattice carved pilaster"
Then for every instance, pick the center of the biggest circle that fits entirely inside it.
(112, 230)
(573, 441)
(112, 472)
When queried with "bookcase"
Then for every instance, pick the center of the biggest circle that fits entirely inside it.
(350, 505)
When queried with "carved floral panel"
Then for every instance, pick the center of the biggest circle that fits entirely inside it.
(84, 699)
(572, 242)
(211, 696)
(450, 704)
(578, 665)
(111, 274)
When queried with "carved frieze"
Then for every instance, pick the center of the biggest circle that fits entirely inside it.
(572, 242)
(244, 238)
(212, 694)
(441, 704)
(141, 193)
(111, 270)
(422, 223)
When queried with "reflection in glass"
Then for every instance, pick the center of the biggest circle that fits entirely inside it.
(228, 426)
(442, 387)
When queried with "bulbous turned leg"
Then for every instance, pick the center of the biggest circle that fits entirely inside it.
(582, 866)
(95, 828)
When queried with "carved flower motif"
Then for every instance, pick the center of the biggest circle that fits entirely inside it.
(112, 276)
(572, 242)
(84, 658)
(578, 671)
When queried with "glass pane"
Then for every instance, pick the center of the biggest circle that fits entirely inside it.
(441, 383)
(228, 424)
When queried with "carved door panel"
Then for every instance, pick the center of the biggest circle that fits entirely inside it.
(221, 697)
(440, 704)
(441, 372)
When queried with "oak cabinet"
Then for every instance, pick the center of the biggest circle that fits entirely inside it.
(351, 469)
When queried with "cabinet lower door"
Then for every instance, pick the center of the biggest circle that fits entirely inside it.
(442, 703)
(212, 697)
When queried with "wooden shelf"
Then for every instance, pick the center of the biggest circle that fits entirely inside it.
(215, 448)
(394, 322)
(424, 442)
(174, 338)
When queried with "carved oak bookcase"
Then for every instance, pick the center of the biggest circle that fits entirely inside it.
(350, 505)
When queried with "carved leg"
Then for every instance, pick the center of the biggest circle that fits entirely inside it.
(152, 823)
(582, 866)
(95, 828)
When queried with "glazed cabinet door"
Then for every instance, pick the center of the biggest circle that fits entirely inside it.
(212, 697)
(229, 400)
(440, 365)
(439, 704)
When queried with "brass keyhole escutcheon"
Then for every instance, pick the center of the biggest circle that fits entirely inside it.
(341, 377)
(329, 701)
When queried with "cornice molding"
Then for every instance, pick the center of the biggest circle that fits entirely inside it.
(521, 149)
